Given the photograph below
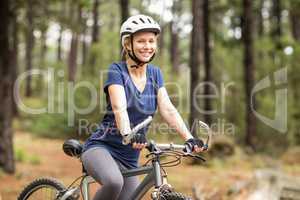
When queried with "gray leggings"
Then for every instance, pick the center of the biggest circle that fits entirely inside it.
(99, 164)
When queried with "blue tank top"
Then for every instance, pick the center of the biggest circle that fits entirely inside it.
(140, 105)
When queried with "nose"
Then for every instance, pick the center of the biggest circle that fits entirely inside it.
(147, 45)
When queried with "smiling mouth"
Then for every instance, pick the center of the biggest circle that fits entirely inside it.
(148, 54)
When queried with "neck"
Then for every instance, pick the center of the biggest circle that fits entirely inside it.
(140, 71)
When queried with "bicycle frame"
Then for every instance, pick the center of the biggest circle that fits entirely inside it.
(153, 178)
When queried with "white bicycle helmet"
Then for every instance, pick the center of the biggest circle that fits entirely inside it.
(135, 24)
(138, 23)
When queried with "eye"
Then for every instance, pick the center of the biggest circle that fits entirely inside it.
(140, 40)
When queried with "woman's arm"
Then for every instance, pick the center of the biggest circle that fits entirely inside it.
(119, 106)
(171, 115)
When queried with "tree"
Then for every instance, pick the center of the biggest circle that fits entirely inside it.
(95, 31)
(29, 44)
(84, 47)
(59, 40)
(72, 59)
(294, 19)
(294, 80)
(6, 133)
(277, 30)
(15, 52)
(247, 34)
(207, 61)
(161, 42)
(124, 8)
(195, 59)
(260, 18)
(61, 18)
(174, 29)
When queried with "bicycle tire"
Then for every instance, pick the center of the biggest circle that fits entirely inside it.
(41, 183)
(173, 196)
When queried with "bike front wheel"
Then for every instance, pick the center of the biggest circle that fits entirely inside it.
(42, 189)
(173, 196)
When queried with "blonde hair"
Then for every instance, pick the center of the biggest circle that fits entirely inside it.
(124, 51)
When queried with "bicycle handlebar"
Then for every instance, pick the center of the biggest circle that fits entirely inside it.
(126, 140)
(161, 149)
(171, 146)
(168, 146)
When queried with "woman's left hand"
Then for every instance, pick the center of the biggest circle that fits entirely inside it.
(196, 145)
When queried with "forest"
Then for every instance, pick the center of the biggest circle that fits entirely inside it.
(230, 63)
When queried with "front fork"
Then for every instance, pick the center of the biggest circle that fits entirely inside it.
(155, 195)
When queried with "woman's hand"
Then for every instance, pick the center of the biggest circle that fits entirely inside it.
(139, 141)
(196, 145)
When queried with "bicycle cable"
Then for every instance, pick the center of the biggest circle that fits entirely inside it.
(74, 182)
(172, 163)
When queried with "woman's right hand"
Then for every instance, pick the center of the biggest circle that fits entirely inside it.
(138, 141)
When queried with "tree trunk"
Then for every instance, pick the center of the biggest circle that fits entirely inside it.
(14, 56)
(249, 71)
(124, 8)
(72, 61)
(207, 61)
(174, 50)
(295, 22)
(6, 134)
(294, 80)
(277, 30)
(73, 52)
(43, 48)
(95, 33)
(195, 61)
(59, 52)
(84, 44)
(174, 29)
(260, 19)
(43, 29)
(29, 46)
(161, 41)
(95, 29)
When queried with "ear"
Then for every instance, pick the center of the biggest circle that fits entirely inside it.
(127, 44)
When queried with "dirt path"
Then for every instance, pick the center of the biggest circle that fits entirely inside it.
(41, 157)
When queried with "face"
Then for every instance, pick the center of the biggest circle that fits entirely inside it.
(144, 45)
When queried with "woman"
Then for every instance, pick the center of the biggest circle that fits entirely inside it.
(134, 89)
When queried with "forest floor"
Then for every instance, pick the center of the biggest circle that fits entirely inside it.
(41, 157)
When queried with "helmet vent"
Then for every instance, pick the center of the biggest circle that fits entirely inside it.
(128, 28)
(134, 22)
(149, 20)
(142, 20)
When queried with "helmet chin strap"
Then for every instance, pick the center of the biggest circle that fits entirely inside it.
(138, 62)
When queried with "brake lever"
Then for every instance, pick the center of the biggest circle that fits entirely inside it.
(199, 157)
(194, 156)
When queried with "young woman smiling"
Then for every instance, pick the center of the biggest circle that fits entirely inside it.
(134, 90)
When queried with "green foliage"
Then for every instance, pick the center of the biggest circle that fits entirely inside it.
(19, 155)
(22, 156)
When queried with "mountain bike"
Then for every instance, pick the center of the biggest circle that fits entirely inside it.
(160, 156)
